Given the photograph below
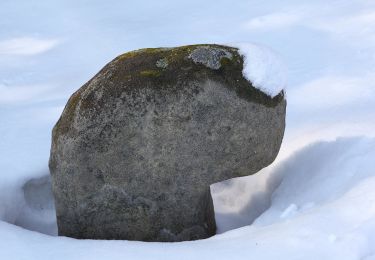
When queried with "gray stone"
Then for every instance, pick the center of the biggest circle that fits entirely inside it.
(209, 56)
(137, 147)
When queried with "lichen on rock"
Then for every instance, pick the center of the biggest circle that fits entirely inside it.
(162, 63)
(210, 56)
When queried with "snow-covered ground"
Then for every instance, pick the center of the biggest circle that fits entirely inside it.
(316, 201)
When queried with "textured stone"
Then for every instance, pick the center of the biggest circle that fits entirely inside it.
(136, 148)
(210, 56)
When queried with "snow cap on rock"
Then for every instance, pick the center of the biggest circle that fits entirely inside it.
(263, 67)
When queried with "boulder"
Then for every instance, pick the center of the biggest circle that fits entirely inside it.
(137, 147)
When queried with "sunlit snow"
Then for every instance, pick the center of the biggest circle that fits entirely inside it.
(263, 68)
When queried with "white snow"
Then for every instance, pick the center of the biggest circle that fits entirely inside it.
(289, 211)
(316, 201)
(263, 68)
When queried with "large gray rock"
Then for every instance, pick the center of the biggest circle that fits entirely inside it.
(137, 147)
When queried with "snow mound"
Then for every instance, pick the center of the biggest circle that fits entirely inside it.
(296, 186)
(307, 186)
(263, 67)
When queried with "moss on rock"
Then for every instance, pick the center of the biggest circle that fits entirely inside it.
(182, 68)
(150, 73)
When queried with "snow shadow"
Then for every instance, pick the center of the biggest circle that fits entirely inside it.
(315, 175)
(38, 208)
(240, 201)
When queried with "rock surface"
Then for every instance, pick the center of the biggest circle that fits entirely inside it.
(137, 147)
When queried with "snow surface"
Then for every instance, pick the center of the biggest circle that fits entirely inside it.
(316, 201)
(263, 68)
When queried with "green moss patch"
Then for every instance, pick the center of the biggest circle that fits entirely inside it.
(150, 73)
